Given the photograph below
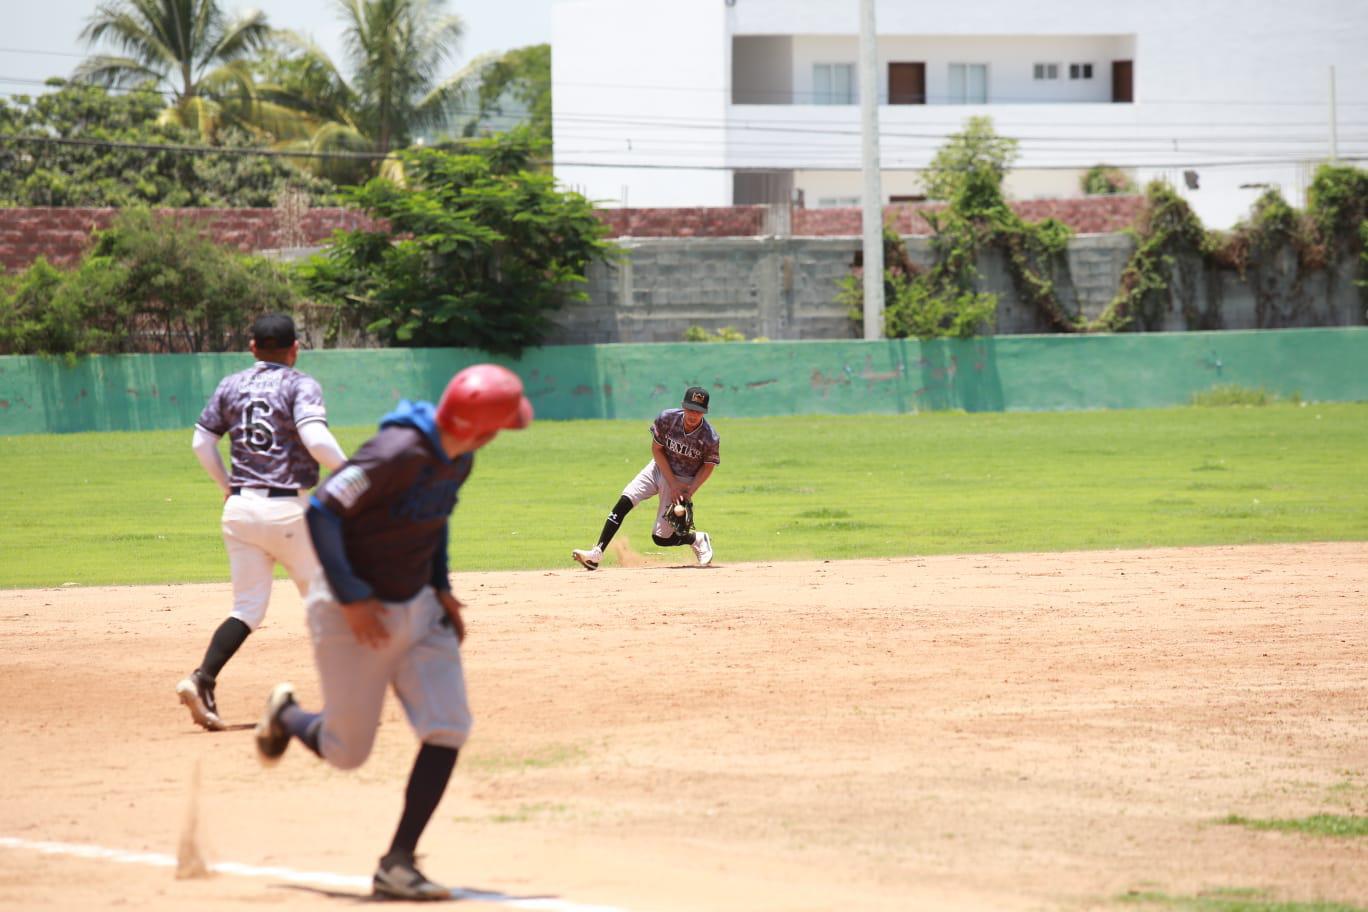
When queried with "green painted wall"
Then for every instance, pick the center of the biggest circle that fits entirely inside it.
(1006, 373)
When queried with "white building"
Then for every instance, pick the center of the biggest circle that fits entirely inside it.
(722, 102)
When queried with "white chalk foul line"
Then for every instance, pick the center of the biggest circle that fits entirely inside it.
(316, 878)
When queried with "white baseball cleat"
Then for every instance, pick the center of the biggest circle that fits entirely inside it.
(589, 558)
(271, 736)
(703, 548)
(197, 693)
(402, 880)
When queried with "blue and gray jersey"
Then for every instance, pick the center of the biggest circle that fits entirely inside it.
(379, 523)
(261, 410)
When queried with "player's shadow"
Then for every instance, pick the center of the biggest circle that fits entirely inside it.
(235, 727)
(471, 893)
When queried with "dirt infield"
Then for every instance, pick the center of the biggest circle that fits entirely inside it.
(995, 732)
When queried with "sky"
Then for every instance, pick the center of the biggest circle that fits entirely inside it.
(41, 37)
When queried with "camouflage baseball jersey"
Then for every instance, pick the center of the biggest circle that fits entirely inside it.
(686, 451)
(261, 409)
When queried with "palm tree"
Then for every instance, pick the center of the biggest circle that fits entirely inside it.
(396, 50)
(187, 48)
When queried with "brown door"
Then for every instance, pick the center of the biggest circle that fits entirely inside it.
(907, 83)
(1123, 81)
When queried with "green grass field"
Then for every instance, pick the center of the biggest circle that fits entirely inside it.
(121, 508)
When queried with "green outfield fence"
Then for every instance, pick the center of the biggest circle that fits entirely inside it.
(1009, 373)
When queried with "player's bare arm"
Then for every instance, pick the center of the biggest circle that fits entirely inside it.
(452, 606)
(663, 463)
(366, 619)
(704, 473)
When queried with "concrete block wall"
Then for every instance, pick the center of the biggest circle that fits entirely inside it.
(785, 288)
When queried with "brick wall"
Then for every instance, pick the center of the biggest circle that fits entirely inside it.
(697, 221)
(62, 235)
(1087, 215)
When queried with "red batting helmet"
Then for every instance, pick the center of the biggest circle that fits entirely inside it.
(483, 398)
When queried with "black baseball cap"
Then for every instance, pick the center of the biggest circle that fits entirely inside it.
(273, 331)
(696, 399)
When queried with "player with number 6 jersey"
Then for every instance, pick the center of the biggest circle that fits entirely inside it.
(277, 426)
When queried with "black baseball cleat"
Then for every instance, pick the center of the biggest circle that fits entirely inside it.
(401, 879)
(271, 736)
(197, 693)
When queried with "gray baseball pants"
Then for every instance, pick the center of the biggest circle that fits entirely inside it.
(421, 661)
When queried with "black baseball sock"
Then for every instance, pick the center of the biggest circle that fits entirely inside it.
(231, 634)
(610, 528)
(427, 783)
(305, 726)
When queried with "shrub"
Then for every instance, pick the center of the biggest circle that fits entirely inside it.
(148, 284)
(1105, 180)
(725, 334)
(1232, 394)
(481, 248)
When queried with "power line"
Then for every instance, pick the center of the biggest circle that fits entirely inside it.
(1101, 136)
(180, 148)
(42, 53)
(1167, 165)
(281, 153)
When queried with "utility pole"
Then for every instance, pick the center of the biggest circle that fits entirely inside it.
(872, 200)
(1334, 127)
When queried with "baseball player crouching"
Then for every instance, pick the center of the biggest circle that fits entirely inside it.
(381, 611)
(684, 451)
(278, 430)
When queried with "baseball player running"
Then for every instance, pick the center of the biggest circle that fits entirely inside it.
(381, 612)
(278, 429)
(684, 451)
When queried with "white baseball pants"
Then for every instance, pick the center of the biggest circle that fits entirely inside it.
(258, 532)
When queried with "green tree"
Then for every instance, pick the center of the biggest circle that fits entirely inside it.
(516, 84)
(480, 249)
(974, 159)
(187, 48)
(36, 171)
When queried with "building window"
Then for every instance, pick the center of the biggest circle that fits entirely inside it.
(1080, 71)
(833, 83)
(1047, 71)
(968, 83)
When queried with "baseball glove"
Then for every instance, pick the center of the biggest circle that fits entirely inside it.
(683, 522)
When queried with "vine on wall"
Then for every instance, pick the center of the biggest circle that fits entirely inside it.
(1276, 251)
(944, 300)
